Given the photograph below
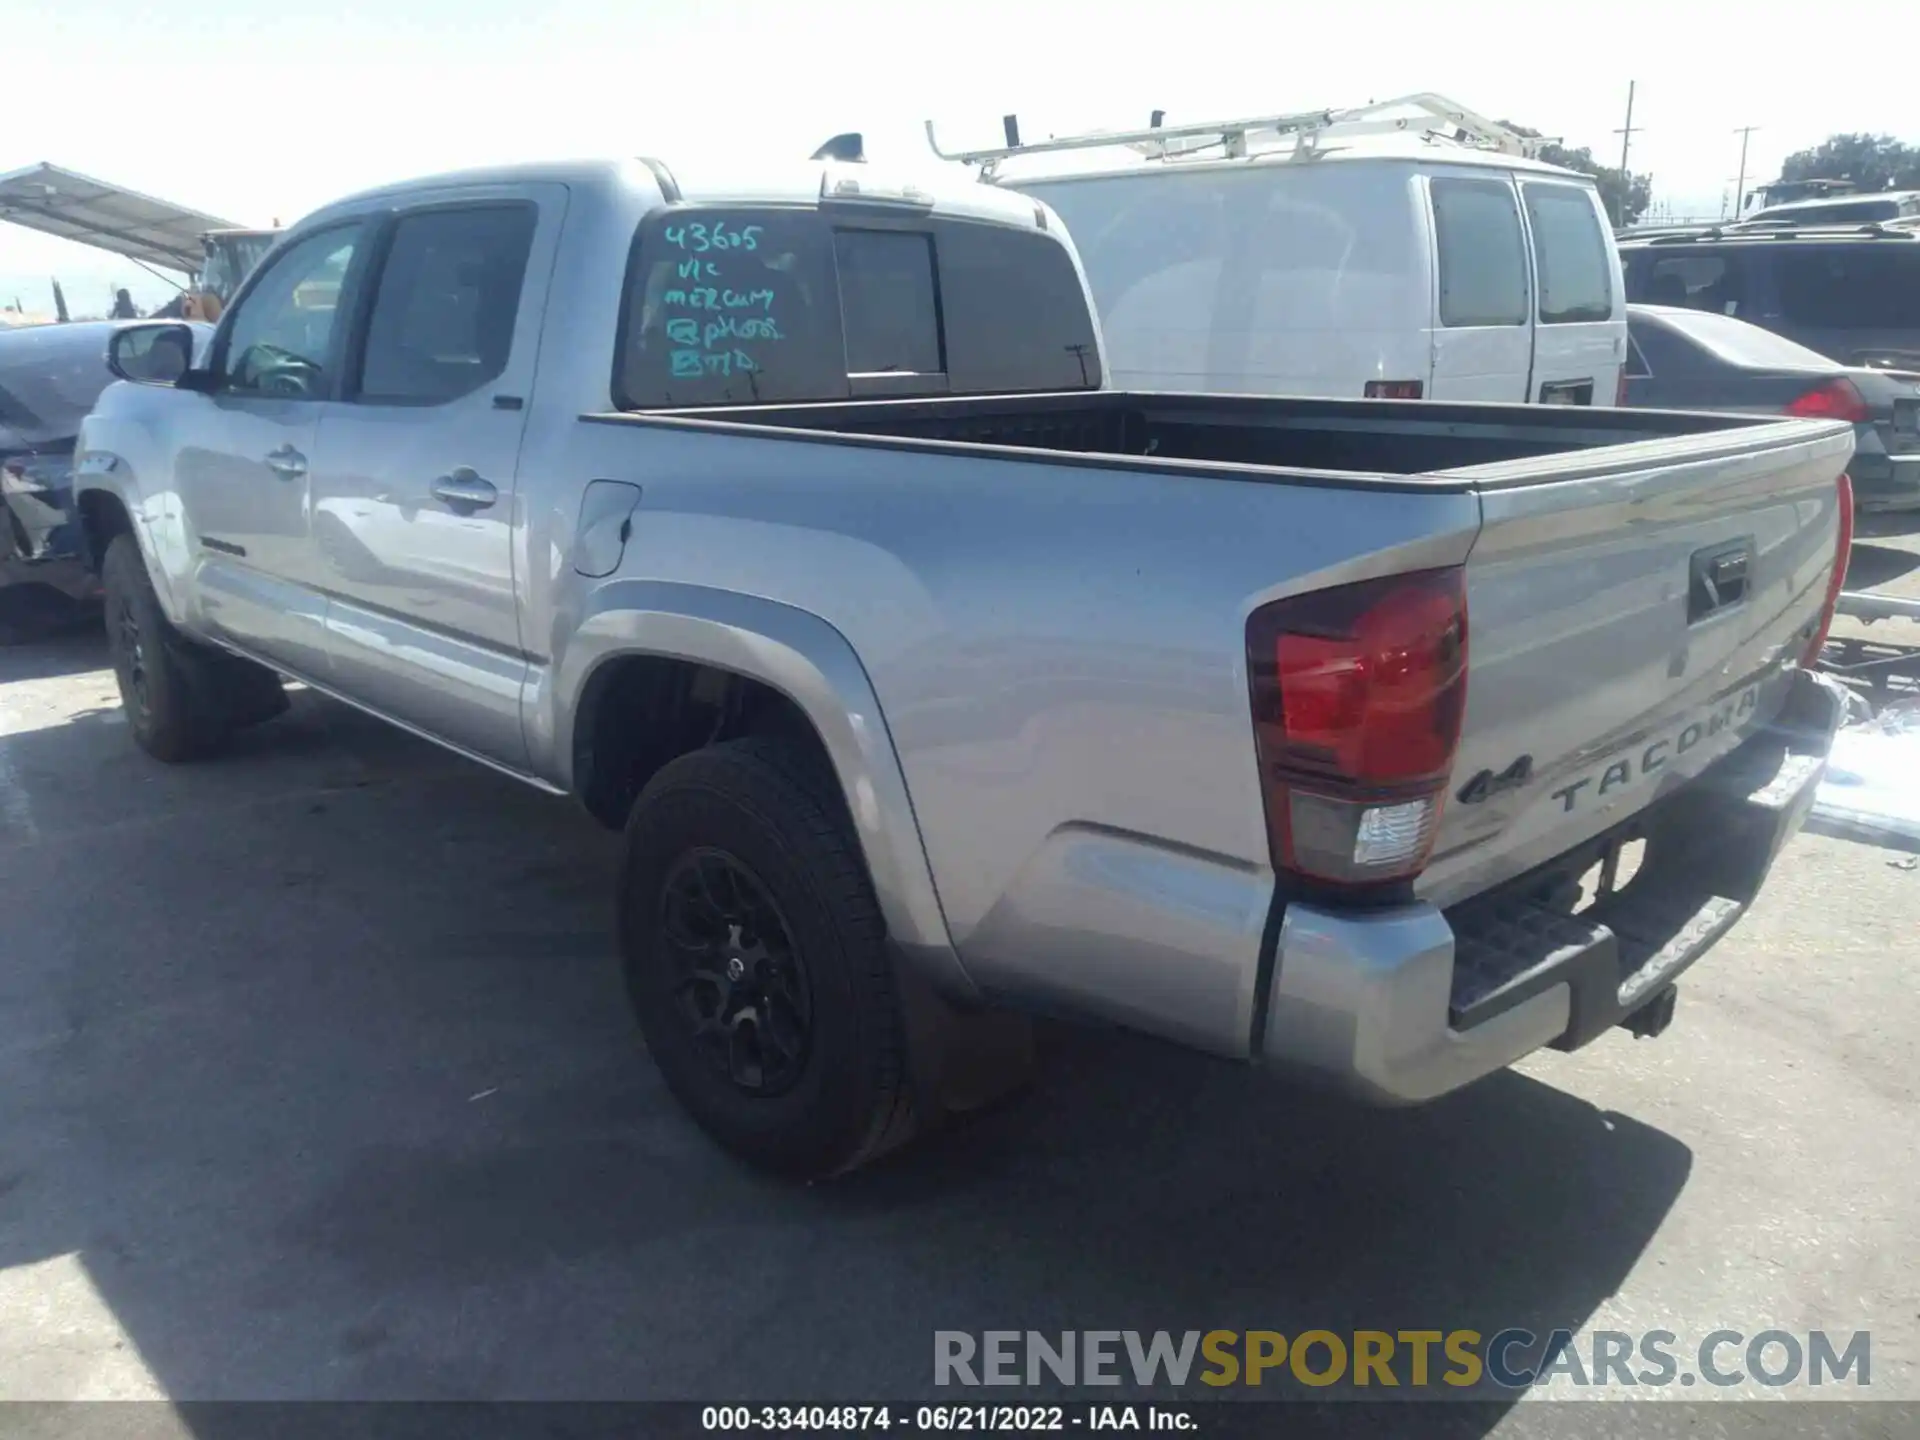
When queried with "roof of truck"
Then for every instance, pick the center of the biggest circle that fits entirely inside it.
(791, 182)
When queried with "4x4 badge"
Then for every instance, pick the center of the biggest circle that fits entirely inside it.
(1486, 784)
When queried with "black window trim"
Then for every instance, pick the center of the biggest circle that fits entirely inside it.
(385, 224)
(351, 284)
(1586, 193)
(1528, 284)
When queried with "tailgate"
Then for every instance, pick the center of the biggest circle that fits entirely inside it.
(1633, 613)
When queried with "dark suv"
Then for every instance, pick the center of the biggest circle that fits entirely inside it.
(1852, 294)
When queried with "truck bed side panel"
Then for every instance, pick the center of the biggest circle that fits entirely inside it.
(1059, 652)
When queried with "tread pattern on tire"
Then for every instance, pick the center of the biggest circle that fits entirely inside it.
(782, 784)
(184, 723)
(210, 693)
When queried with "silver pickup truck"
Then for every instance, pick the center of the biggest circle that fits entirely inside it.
(790, 528)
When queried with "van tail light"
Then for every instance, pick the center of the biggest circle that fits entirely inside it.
(1358, 694)
(1843, 550)
(1835, 399)
(1620, 390)
(1395, 389)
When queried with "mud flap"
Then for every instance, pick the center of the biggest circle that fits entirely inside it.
(958, 1061)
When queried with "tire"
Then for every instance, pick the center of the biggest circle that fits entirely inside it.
(183, 701)
(809, 953)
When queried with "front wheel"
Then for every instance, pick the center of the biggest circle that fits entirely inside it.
(183, 701)
(756, 961)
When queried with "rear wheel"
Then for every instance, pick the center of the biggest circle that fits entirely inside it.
(183, 701)
(756, 961)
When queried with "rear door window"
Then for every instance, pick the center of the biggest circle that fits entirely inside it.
(444, 308)
(1871, 285)
(1576, 267)
(770, 306)
(1483, 258)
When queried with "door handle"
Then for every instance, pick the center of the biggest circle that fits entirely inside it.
(463, 490)
(287, 462)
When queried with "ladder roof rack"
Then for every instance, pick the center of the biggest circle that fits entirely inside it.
(1435, 117)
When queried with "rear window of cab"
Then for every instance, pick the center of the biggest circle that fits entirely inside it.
(779, 305)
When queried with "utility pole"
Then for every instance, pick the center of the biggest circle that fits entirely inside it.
(1740, 185)
(1626, 133)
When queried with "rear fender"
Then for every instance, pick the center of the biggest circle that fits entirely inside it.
(813, 665)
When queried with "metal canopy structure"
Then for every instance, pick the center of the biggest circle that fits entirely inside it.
(109, 217)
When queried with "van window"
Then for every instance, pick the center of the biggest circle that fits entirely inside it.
(1871, 285)
(773, 306)
(1576, 268)
(888, 301)
(1483, 260)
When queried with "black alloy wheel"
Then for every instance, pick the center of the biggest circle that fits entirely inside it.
(740, 982)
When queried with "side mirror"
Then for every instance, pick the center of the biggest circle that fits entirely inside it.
(151, 354)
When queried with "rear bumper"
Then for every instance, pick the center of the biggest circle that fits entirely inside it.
(1402, 1006)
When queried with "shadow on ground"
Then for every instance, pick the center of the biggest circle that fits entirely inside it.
(36, 619)
(1875, 565)
(317, 1059)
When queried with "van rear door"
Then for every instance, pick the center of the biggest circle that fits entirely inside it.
(1482, 294)
(1580, 335)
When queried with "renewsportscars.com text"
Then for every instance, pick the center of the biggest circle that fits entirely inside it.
(1438, 1360)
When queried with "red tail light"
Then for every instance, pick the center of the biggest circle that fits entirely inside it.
(1395, 389)
(1843, 550)
(1358, 694)
(1835, 399)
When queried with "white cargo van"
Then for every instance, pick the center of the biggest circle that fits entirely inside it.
(1410, 249)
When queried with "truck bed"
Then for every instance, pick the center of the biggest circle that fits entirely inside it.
(1373, 443)
(1603, 670)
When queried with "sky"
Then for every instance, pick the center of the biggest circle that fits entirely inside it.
(260, 112)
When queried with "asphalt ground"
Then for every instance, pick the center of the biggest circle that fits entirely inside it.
(317, 1081)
